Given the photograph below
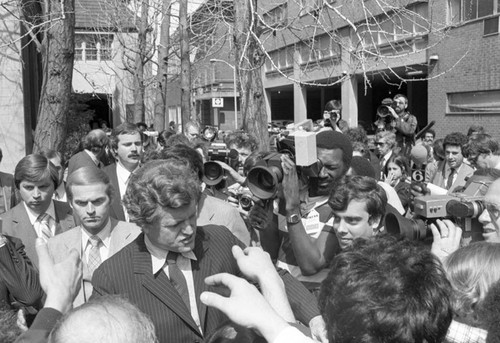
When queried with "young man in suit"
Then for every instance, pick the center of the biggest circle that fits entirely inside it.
(162, 199)
(37, 215)
(126, 144)
(98, 237)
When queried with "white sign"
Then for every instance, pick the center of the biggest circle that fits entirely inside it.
(217, 102)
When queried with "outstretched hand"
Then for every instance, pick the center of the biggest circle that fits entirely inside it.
(446, 239)
(60, 281)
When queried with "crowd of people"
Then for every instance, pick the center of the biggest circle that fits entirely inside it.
(127, 242)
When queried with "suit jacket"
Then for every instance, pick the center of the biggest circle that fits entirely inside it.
(79, 160)
(443, 170)
(129, 272)
(19, 280)
(214, 211)
(122, 233)
(116, 205)
(17, 223)
(9, 190)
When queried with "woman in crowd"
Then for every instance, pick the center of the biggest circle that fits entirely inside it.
(398, 176)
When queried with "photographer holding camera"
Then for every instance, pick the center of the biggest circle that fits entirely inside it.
(299, 234)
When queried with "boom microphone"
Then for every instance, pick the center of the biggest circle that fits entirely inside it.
(424, 130)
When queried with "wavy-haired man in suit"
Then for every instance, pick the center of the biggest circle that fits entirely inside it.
(163, 271)
(99, 236)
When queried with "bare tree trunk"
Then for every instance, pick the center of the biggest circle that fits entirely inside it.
(185, 63)
(249, 60)
(161, 106)
(139, 64)
(58, 49)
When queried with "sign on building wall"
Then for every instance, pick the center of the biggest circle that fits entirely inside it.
(217, 102)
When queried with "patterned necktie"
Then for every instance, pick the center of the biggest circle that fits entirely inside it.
(94, 255)
(177, 278)
(449, 182)
(45, 221)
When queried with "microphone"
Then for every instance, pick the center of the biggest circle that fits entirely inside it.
(424, 130)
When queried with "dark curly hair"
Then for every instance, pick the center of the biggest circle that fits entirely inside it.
(160, 183)
(455, 139)
(242, 140)
(386, 289)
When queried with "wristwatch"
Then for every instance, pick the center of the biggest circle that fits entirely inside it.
(293, 218)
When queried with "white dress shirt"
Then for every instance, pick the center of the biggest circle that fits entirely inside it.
(104, 235)
(36, 225)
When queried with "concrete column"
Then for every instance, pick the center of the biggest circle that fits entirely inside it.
(299, 92)
(350, 101)
(299, 103)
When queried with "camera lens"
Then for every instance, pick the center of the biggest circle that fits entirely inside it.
(213, 173)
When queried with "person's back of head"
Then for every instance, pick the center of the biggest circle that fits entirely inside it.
(386, 289)
(472, 271)
(95, 139)
(106, 319)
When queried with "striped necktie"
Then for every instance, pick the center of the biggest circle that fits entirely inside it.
(45, 223)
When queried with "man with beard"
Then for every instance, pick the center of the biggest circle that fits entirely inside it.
(452, 173)
(300, 234)
(404, 123)
(126, 144)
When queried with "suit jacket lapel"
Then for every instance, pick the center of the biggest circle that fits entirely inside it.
(116, 204)
(159, 285)
(201, 269)
(64, 217)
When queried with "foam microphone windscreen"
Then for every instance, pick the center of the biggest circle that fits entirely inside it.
(419, 154)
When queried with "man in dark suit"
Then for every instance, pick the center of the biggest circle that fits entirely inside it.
(37, 215)
(94, 145)
(19, 283)
(126, 143)
(162, 199)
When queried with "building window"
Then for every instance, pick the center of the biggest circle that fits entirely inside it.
(277, 16)
(93, 47)
(399, 25)
(464, 10)
(280, 59)
(474, 102)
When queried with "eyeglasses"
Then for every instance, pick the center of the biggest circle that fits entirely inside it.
(493, 211)
(379, 143)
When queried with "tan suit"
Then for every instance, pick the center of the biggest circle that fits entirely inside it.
(122, 233)
(443, 171)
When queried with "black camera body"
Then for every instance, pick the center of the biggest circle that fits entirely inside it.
(462, 208)
(264, 178)
(213, 172)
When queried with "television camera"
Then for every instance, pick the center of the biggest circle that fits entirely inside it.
(214, 173)
(462, 208)
(265, 177)
(385, 119)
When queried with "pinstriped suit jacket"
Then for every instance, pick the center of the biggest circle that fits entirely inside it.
(129, 272)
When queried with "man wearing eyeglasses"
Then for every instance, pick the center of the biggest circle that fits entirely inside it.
(405, 124)
(385, 141)
(94, 144)
(490, 218)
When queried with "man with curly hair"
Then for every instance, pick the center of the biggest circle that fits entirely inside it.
(163, 271)
(453, 172)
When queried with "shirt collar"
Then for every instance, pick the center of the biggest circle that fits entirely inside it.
(92, 156)
(122, 173)
(33, 216)
(159, 256)
(104, 235)
(61, 190)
